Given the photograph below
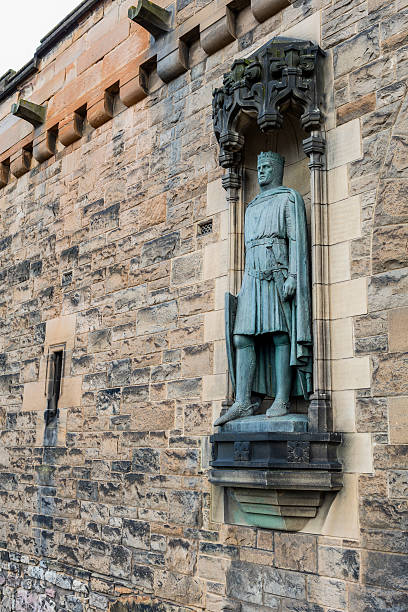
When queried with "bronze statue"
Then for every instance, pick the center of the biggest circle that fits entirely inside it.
(270, 351)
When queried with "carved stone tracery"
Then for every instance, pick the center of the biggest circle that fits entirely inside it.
(278, 77)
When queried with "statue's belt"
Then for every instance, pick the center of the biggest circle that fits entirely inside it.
(268, 242)
(267, 274)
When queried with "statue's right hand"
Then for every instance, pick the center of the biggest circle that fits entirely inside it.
(289, 288)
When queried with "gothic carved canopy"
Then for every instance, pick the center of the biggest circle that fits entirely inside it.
(280, 76)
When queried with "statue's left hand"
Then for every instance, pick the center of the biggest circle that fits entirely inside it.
(289, 288)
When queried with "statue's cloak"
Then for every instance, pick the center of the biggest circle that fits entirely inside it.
(293, 315)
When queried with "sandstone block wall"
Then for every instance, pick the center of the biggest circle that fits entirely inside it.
(101, 251)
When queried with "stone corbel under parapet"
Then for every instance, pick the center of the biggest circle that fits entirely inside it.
(4, 174)
(44, 145)
(133, 90)
(101, 110)
(70, 129)
(217, 34)
(263, 9)
(20, 163)
(172, 62)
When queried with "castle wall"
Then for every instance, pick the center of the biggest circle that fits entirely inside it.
(102, 251)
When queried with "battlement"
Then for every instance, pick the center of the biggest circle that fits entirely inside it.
(98, 60)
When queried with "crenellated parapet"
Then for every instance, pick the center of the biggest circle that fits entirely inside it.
(145, 48)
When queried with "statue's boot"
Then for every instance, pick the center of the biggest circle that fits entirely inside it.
(278, 408)
(236, 411)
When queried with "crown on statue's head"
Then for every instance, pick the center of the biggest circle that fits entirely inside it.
(272, 157)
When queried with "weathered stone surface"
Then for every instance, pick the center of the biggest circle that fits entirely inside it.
(363, 598)
(244, 582)
(186, 270)
(188, 388)
(328, 591)
(342, 563)
(371, 414)
(385, 570)
(373, 155)
(381, 119)
(398, 484)
(119, 372)
(383, 539)
(121, 562)
(381, 513)
(289, 605)
(183, 589)
(360, 49)
(143, 577)
(136, 393)
(160, 249)
(389, 374)
(155, 417)
(371, 77)
(393, 31)
(136, 534)
(397, 157)
(181, 555)
(371, 345)
(391, 456)
(146, 460)
(355, 109)
(285, 583)
(370, 325)
(197, 360)
(197, 417)
(296, 552)
(388, 290)
(157, 318)
(185, 508)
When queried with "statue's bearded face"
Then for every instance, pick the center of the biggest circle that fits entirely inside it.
(269, 173)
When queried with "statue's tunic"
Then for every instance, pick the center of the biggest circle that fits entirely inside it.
(269, 227)
(276, 246)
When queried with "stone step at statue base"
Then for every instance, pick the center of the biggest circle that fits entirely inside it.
(261, 423)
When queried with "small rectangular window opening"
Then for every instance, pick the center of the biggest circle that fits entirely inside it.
(54, 378)
(205, 228)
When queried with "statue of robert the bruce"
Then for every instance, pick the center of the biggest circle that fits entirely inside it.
(269, 344)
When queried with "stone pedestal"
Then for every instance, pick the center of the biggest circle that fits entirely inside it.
(275, 472)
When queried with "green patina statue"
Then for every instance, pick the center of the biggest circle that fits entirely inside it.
(270, 341)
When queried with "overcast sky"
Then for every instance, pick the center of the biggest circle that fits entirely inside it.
(23, 23)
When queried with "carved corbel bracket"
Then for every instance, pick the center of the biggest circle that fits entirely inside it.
(29, 111)
(275, 480)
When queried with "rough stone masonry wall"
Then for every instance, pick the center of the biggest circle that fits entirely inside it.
(100, 250)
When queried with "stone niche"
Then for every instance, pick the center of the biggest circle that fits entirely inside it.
(277, 476)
